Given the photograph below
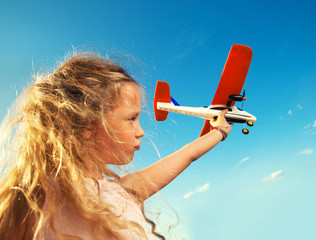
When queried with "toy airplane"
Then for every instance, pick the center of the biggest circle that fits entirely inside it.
(227, 93)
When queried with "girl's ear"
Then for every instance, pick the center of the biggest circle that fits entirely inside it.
(86, 134)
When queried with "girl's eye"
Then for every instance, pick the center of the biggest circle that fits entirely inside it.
(134, 117)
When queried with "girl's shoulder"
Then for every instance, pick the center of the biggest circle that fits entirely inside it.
(112, 189)
(114, 194)
(124, 204)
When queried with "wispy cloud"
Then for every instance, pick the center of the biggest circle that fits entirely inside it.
(310, 125)
(199, 189)
(307, 126)
(310, 128)
(275, 176)
(292, 111)
(242, 161)
(306, 151)
(187, 42)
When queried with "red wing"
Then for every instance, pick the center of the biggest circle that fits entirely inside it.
(232, 79)
(206, 128)
(234, 74)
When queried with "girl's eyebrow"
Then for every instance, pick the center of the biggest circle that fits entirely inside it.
(136, 113)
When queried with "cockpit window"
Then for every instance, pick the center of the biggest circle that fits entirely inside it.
(221, 108)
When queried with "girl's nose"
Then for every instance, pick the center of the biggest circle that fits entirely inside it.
(140, 132)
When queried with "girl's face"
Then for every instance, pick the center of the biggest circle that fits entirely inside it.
(124, 122)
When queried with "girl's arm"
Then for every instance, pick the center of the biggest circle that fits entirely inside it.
(149, 180)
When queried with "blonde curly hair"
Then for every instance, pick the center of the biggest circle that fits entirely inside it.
(42, 144)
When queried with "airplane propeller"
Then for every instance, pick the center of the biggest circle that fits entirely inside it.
(243, 99)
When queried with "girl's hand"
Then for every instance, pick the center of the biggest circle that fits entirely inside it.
(221, 122)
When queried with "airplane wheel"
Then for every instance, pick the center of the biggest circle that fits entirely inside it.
(245, 131)
(250, 123)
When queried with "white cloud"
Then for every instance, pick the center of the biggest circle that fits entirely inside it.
(275, 176)
(314, 125)
(187, 195)
(199, 189)
(307, 151)
(299, 106)
(203, 188)
(289, 112)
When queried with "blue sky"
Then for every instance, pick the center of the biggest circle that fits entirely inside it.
(260, 186)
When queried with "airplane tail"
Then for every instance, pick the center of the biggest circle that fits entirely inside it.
(162, 94)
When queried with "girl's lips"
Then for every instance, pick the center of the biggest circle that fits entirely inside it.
(137, 147)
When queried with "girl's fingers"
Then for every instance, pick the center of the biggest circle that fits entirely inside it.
(222, 114)
(220, 121)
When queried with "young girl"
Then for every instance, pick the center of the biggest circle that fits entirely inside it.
(56, 144)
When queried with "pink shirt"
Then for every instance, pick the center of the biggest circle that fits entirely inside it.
(68, 221)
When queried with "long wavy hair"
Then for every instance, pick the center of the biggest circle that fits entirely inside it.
(42, 145)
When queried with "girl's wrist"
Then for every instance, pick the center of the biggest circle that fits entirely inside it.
(223, 132)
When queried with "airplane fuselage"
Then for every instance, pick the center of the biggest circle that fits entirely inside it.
(234, 115)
